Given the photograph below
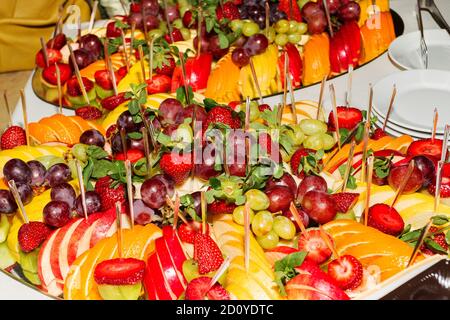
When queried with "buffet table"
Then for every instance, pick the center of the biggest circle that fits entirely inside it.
(362, 77)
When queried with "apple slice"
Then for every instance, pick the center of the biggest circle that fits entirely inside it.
(309, 287)
(171, 274)
(45, 270)
(159, 283)
(173, 242)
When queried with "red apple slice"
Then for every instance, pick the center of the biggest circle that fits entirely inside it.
(175, 246)
(154, 270)
(45, 270)
(169, 269)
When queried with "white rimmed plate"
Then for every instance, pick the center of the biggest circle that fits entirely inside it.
(404, 51)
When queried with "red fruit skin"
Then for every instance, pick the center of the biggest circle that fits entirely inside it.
(187, 19)
(103, 79)
(345, 47)
(13, 137)
(57, 42)
(306, 286)
(350, 31)
(295, 65)
(347, 271)
(426, 147)
(197, 289)
(176, 35)
(167, 69)
(159, 83)
(348, 118)
(315, 246)
(439, 238)
(229, 11)
(445, 182)
(378, 134)
(109, 195)
(112, 31)
(132, 155)
(220, 207)
(119, 271)
(385, 219)
(285, 6)
(345, 200)
(263, 107)
(54, 56)
(296, 159)
(73, 88)
(176, 166)
(207, 253)
(89, 113)
(198, 69)
(49, 74)
(187, 232)
(110, 103)
(32, 234)
(414, 183)
(222, 115)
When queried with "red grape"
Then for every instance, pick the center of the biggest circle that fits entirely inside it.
(397, 174)
(256, 44)
(17, 170)
(142, 214)
(58, 173)
(154, 192)
(169, 109)
(64, 192)
(37, 173)
(215, 48)
(427, 167)
(83, 58)
(204, 44)
(280, 198)
(172, 13)
(151, 22)
(93, 137)
(136, 19)
(240, 57)
(317, 23)
(150, 7)
(286, 180)
(333, 5)
(205, 169)
(319, 206)
(93, 203)
(350, 11)
(25, 192)
(303, 216)
(7, 202)
(310, 183)
(56, 214)
(168, 182)
(92, 44)
(125, 121)
(311, 9)
(188, 112)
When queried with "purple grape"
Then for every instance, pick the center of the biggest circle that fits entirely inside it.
(56, 214)
(205, 169)
(116, 143)
(63, 192)
(136, 19)
(427, 167)
(17, 170)
(150, 7)
(93, 137)
(172, 13)
(38, 172)
(197, 202)
(256, 44)
(188, 112)
(169, 109)
(240, 57)
(57, 174)
(136, 144)
(168, 182)
(83, 58)
(286, 180)
(350, 11)
(93, 203)
(143, 214)
(151, 22)
(25, 192)
(7, 202)
(125, 121)
(92, 44)
(153, 193)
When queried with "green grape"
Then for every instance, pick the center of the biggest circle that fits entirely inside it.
(236, 25)
(271, 35)
(262, 223)
(269, 240)
(250, 28)
(163, 26)
(328, 141)
(284, 227)
(294, 38)
(281, 39)
(238, 215)
(282, 26)
(120, 292)
(73, 167)
(314, 142)
(297, 135)
(301, 3)
(155, 33)
(183, 9)
(302, 28)
(79, 151)
(313, 126)
(186, 33)
(254, 112)
(257, 199)
(178, 23)
(48, 161)
(293, 27)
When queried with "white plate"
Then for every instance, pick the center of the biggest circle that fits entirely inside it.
(404, 51)
(418, 93)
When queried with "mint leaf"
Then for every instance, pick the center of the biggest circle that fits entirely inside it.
(440, 220)
(433, 245)
(214, 183)
(135, 135)
(163, 139)
(96, 152)
(223, 41)
(447, 237)
(291, 261)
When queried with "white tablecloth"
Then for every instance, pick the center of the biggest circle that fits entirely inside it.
(371, 73)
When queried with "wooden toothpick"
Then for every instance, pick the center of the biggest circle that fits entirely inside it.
(419, 243)
(291, 90)
(349, 165)
(246, 128)
(370, 162)
(327, 15)
(364, 150)
(146, 150)
(285, 69)
(92, 20)
(267, 9)
(335, 115)
(78, 75)
(444, 150)
(391, 104)
(437, 192)
(141, 56)
(123, 138)
(322, 90)
(44, 51)
(13, 188)
(219, 273)
(203, 209)
(247, 236)
(119, 228)
(82, 189)
(128, 173)
(25, 116)
(150, 57)
(58, 80)
(403, 183)
(327, 241)
(348, 94)
(8, 110)
(435, 122)
(255, 81)
(297, 218)
(169, 25)
(176, 211)
(125, 52)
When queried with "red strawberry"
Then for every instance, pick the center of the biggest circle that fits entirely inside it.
(103, 79)
(445, 182)
(121, 72)
(315, 246)
(297, 158)
(285, 6)
(222, 115)
(89, 113)
(12, 137)
(187, 231)
(57, 42)
(378, 134)
(345, 200)
(119, 271)
(385, 219)
(229, 11)
(207, 253)
(111, 130)
(197, 289)
(109, 194)
(73, 88)
(110, 103)
(348, 118)
(220, 207)
(439, 238)
(159, 83)
(49, 73)
(135, 7)
(347, 271)
(234, 104)
(132, 154)
(54, 56)
(167, 68)
(112, 31)
(263, 107)
(176, 35)
(32, 234)
(426, 147)
(176, 166)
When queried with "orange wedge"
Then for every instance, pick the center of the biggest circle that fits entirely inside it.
(41, 133)
(72, 128)
(63, 134)
(82, 124)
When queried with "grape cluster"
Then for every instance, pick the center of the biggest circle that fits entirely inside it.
(256, 11)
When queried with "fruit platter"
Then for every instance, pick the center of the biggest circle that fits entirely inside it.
(221, 46)
(178, 195)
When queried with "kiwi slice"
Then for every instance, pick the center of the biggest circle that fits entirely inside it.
(190, 271)
(29, 263)
(122, 292)
(79, 100)
(103, 93)
(349, 215)
(6, 259)
(4, 227)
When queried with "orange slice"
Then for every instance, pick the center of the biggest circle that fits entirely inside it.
(41, 133)
(80, 122)
(72, 128)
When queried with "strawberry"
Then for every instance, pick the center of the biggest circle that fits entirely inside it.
(57, 42)
(89, 113)
(348, 118)
(298, 158)
(347, 271)
(103, 79)
(109, 194)
(222, 115)
(315, 246)
(167, 68)
(437, 237)
(187, 232)
(234, 105)
(119, 271)
(110, 103)
(176, 35)
(135, 7)
(445, 182)
(176, 166)
(207, 253)
(49, 73)
(32, 234)
(197, 289)
(426, 147)
(121, 72)
(111, 130)
(345, 200)
(285, 6)
(378, 134)
(12, 137)
(53, 55)
(385, 219)
(73, 88)
(228, 11)
(112, 31)
(132, 154)
(263, 107)
(220, 207)
(159, 83)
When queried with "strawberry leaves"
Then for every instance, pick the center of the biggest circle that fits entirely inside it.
(310, 164)
(226, 188)
(285, 269)
(351, 182)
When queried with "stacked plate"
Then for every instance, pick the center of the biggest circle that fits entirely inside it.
(419, 92)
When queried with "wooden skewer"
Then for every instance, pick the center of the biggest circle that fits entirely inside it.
(348, 166)
(119, 228)
(133, 29)
(141, 55)
(123, 137)
(185, 79)
(297, 218)
(285, 69)
(8, 110)
(335, 115)
(435, 122)
(246, 128)
(437, 192)
(369, 110)
(92, 20)
(124, 7)
(330, 246)
(391, 104)
(25, 116)
(348, 94)
(58, 79)
(82, 189)
(203, 209)
(176, 211)
(279, 114)
(370, 161)
(402, 185)
(422, 237)
(125, 53)
(78, 75)
(247, 236)
(13, 188)
(255, 80)
(79, 28)
(146, 150)
(44, 51)
(219, 273)
(291, 10)
(129, 190)
(322, 90)
(267, 9)
(169, 25)
(291, 90)
(113, 76)
(445, 143)
(150, 56)
(327, 15)
(364, 150)
(199, 30)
